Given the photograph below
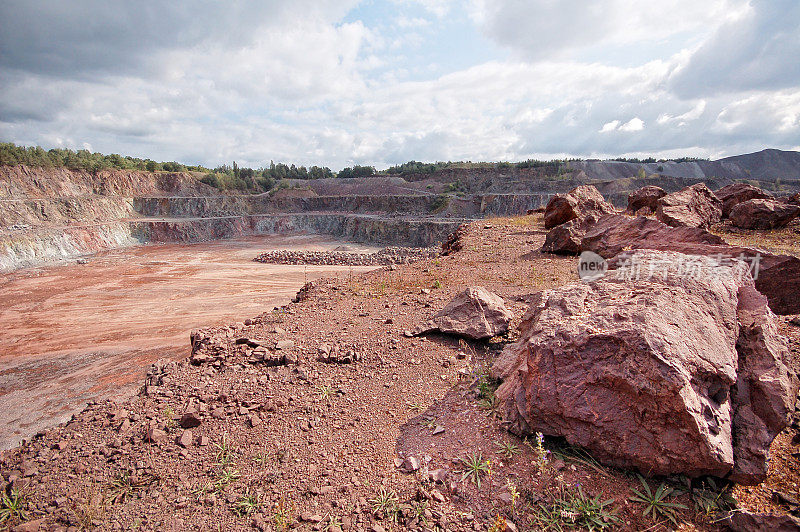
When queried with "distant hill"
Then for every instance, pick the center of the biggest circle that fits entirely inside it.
(768, 165)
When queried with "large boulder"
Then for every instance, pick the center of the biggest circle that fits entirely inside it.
(614, 233)
(577, 203)
(734, 194)
(565, 239)
(641, 371)
(645, 198)
(776, 276)
(763, 214)
(474, 313)
(694, 206)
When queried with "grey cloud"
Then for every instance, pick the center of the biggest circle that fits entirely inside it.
(757, 52)
(84, 38)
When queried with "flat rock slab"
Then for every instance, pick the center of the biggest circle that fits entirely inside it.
(474, 313)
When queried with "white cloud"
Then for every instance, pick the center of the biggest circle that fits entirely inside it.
(634, 124)
(610, 126)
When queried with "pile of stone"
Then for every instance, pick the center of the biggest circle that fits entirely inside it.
(384, 257)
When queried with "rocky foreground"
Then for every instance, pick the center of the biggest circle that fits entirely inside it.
(351, 409)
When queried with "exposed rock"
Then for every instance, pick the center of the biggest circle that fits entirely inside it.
(763, 214)
(640, 371)
(734, 194)
(743, 521)
(765, 389)
(645, 198)
(474, 313)
(155, 435)
(614, 233)
(776, 276)
(694, 206)
(284, 345)
(577, 203)
(565, 239)
(185, 439)
(454, 242)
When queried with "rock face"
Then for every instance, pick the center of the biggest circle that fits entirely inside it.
(694, 206)
(614, 233)
(763, 214)
(475, 313)
(645, 198)
(577, 203)
(742, 521)
(765, 389)
(641, 372)
(776, 276)
(734, 194)
(565, 239)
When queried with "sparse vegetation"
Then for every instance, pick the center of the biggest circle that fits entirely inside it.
(12, 508)
(475, 467)
(656, 502)
(507, 449)
(385, 504)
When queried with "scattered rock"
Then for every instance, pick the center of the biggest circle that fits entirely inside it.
(645, 198)
(284, 345)
(763, 214)
(474, 313)
(155, 435)
(453, 243)
(734, 194)
(694, 206)
(577, 203)
(411, 463)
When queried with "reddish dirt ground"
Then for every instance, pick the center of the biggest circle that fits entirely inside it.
(319, 446)
(78, 332)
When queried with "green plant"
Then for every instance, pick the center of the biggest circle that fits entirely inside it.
(325, 392)
(386, 503)
(247, 503)
(437, 284)
(333, 523)
(475, 467)
(123, 486)
(418, 512)
(169, 417)
(417, 407)
(713, 500)
(225, 478)
(492, 405)
(506, 448)
(282, 515)
(574, 509)
(656, 503)
(225, 453)
(12, 508)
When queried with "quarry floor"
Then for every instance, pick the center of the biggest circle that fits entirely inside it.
(77, 332)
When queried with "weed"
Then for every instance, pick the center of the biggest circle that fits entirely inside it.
(333, 523)
(475, 467)
(418, 512)
(437, 284)
(225, 478)
(169, 417)
(505, 448)
(514, 492)
(91, 507)
(417, 407)
(12, 508)
(713, 500)
(325, 392)
(492, 406)
(575, 509)
(581, 456)
(282, 515)
(386, 503)
(430, 422)
(124, 486)
(247, 504)
(225, 453)
(498, 524)
(656, 503)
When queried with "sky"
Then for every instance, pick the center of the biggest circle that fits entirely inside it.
(342, 82)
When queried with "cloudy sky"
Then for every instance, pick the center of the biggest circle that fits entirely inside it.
(338, 82)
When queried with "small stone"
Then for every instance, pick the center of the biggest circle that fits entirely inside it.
(190, 420)
(411, 463)
(438, 430)
(155, 435)
(203, 441)
(438, 475)
(254, 420)
(284, 345)
(185, 439)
